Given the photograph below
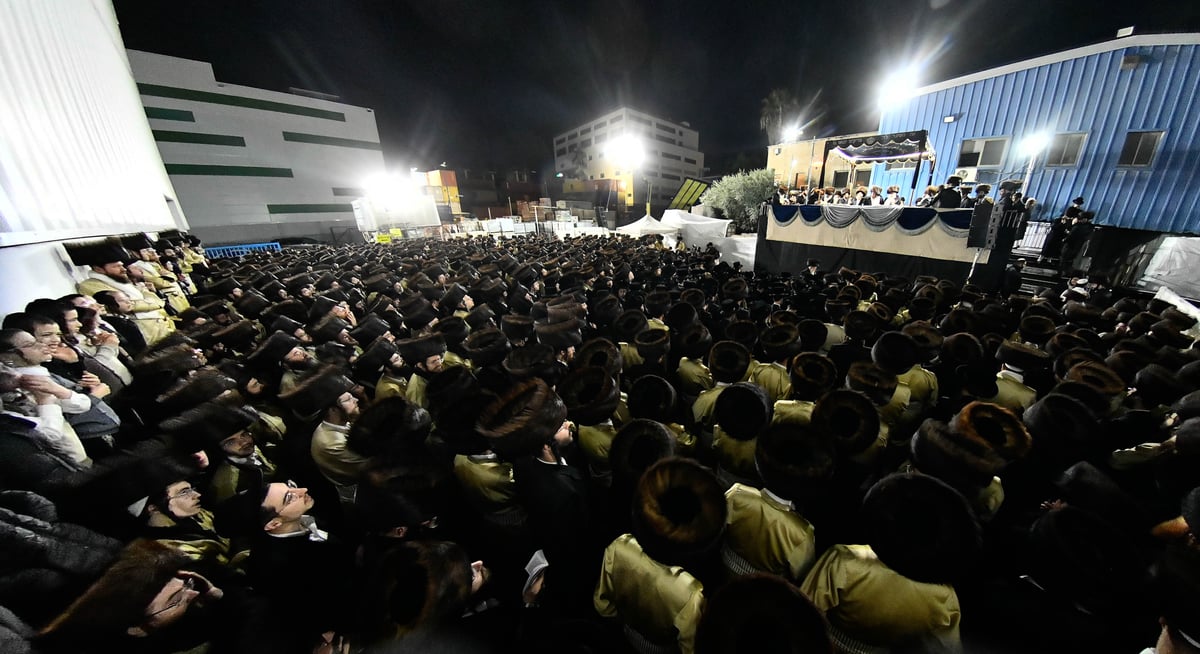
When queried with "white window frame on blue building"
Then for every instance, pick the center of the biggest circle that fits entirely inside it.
(1061, 143)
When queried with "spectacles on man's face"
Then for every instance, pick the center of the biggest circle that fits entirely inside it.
(186, 492)
(290, 496)
(176, 598)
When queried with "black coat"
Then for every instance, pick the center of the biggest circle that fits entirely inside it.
(948, 198)
(555, 497)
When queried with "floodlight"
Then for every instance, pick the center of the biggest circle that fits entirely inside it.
(627, 150)
(1035, 143)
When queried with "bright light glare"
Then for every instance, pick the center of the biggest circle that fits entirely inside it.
(792, 132)
(898, 86)
(390, 190)
(627, 150)
(1035, 143)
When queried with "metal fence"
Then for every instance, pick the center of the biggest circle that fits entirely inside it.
(228, 251)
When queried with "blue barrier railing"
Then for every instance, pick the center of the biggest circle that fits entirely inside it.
(227, 251)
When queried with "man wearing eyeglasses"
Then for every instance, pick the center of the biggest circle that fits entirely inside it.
(300, 568)
(173, 516)
(147, 601)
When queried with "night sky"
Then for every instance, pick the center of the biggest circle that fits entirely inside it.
(487, 83)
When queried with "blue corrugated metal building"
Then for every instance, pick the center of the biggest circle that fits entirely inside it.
(1122, 119)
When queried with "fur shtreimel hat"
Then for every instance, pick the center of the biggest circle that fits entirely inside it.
(222, 286)
(679, 511)
(117, 601)
(238, 336)
(207, 425)
(1020, 356)
(652, 397)
(812, 375)
(205, 384)
(273, 349)
(995, 425)
(652, 343)
(559, 335)
(1157, 385)
(929, 340)
(522, 420)
(744, 332)
(369, 328)
(173, 359)
(534, 360)
(417, 350)
(486, 347)
(317, 391)
(795, 461)
(599, 352)
(728, 361)
(959, 320)
(96, 253)
(591, 395)
(762, 612)
(681, 315)
(965, 463)
(780, 341)
(373, 358)
(1036, 329)
(812, 334)
(1064, 430)
(518, 328)
(604, 311)
(1099, 376)
(252, 304)
(455, 401)
(639, 445)
(875, 382)
(628, 325)
(328, 329)
(480, 317)
(1087, 560)
(743, 410)
(849, 418)
(922, 528)
(860, 325)
(694, 341)
(895, 352)
(735, 288)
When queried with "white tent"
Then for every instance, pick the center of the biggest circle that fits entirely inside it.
(695, 229)
(647, 225)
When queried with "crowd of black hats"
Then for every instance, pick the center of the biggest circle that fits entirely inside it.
(1085, 407)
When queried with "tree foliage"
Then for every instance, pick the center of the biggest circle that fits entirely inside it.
(778, 108)
(739, 196)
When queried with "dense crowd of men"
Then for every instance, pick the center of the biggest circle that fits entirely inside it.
(588, 444)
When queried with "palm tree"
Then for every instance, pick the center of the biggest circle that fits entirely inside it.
(778, 107)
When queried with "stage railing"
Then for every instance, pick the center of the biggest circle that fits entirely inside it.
(1035, 236)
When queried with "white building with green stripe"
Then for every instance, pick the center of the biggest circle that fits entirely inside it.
(251, 165)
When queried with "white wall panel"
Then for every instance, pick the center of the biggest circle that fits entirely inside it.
(76, 154)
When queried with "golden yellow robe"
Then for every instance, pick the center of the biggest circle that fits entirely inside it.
(774, 379)
(767, 533)
(873, 604)
(661, 603)
(694, 377)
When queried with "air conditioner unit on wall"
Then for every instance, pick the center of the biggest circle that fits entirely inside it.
(966, 174)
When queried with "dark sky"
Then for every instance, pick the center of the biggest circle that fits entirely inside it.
(489, 82)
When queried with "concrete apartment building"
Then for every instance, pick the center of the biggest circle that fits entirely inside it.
(672, 153)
